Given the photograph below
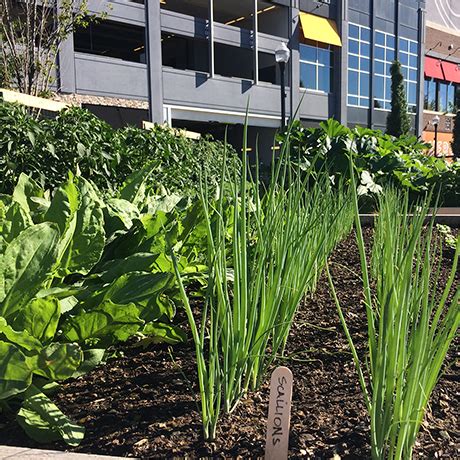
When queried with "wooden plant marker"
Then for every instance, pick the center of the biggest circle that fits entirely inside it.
(279, 414)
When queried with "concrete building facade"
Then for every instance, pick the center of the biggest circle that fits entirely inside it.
(204, 63)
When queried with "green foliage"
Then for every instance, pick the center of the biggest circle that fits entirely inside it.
(456, 136)
(79, 274)
(80, 142)
(264, 253)
(410, 326)
(398, 121)
(399, 162)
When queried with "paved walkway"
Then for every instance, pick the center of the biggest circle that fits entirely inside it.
(22, 453)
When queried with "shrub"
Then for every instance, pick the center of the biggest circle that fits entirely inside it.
(79, 141)
(398, 121)
(400, 162)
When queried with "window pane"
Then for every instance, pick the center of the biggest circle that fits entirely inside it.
(353, 31)
(404, 58)
(324, 57)
(379, 67)
(365, 34)
(379, 38)
(365, 49)
(308, 76)
(450, 98)
(352, 100)
(324, 79)
(432, 95)
(403, 44)
(442, 97)
(414, 47)
(365, 64)
(412, 97)
(390, 41)
(353, 62)
(379, 53)
(364, 102)
(413, 75)
(364, 85)
(307, 53)
(379, 87)
(390, 55)
(388, 89)
(413, 61)
(353, 82)
(353, 46)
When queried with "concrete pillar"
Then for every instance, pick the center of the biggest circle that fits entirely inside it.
(421, 70)
(65, 65)
(294, 62)
(341, 64)
(154, 60)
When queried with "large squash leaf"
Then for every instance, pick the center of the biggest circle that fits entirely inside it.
(59, 361)
(26, 189)
(19, 338)
(16, 220)
(43, 421)
(15, 373)
(26, 265)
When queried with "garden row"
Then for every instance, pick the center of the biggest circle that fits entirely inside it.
(82, 269)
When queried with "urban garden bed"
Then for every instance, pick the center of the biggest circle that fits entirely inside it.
(145, 402)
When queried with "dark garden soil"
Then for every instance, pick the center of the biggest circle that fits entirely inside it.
(144, 404)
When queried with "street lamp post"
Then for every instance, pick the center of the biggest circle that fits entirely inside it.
(435, 123)
(282, 55)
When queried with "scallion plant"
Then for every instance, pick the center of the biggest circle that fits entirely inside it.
(410, 327)
(265, 251)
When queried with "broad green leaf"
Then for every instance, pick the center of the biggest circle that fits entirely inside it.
(88, 241)
(134, 189)
(119, 215)
(91, 359)
(15, 374)
(25, 190)
(145, 291)
(164, 333)
(42, 420)
(109, 322)
(40, 317)
(113, 269)
(63, 206)
(59, 361)
(16, 220)
(21, 338)
(26, 265)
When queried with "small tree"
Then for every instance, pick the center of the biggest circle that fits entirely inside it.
(456, 136)
(31, 33)
(398, 121)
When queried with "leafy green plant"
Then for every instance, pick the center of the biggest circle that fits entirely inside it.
(279, 243)
(399, 162)
(78, 273)
(80, 142)
(410, 327)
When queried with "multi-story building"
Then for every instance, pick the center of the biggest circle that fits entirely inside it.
(442, 73)
(205, 62)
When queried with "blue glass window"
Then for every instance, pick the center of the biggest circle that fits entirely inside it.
(359, 51)
(384, 56)
(408, 57)
(316, 66)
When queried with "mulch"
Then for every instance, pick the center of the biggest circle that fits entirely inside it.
(144, 403)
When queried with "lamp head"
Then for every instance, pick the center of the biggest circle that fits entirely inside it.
(282, 53)
(435, 121)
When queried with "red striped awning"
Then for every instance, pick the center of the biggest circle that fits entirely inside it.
(433, 68)
(451, 72)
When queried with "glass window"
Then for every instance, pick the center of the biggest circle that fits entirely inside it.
(184, 53)
(112, 39)
(430, 94)
(359, 66)
(384, 56)
(315, 66)
(409, 62)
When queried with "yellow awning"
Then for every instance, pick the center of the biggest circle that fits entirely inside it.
(320, 29)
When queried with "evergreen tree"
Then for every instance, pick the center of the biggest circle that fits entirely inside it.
(456, 136)
(398, 121)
